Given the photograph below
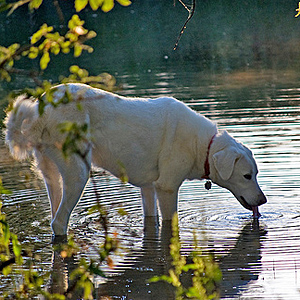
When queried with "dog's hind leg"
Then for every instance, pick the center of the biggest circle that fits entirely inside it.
(52, 180)
(74, 172)
(149, 200)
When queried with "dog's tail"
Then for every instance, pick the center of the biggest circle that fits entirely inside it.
(18, 123)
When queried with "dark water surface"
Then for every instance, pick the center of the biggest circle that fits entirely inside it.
(257, 99)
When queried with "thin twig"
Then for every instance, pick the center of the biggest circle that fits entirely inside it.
(59, 12)
(191, 13)
(30, 73)
(11, 261)
(184, 5)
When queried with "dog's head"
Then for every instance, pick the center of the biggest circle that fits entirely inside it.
(233, 167)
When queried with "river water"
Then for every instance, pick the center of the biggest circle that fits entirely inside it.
(257, 103)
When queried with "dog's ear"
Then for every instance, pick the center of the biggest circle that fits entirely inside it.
(224, 161)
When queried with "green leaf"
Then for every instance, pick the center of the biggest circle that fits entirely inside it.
(80, 4)
(66, 126)
(35, 4)
(44, 29)
(7, 270)
(33, 53)
(91, 34)
(77, 50)
(5, 191)
(55, 49)
(124, 2)
(74, 22)
(4, 6)
(175, 280)
(96, 270)
(74, 69)
(122, 212)
(45, 59)
(108, 5)
(161, 278)
(5, 75)
(95, 4)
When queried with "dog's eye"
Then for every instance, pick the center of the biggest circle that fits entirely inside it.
(248, 176)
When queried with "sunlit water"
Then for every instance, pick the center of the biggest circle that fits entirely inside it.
(259, 260)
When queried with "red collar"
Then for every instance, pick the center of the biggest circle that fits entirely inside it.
(206, 164)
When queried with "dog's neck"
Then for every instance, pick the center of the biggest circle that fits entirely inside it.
(206, 163)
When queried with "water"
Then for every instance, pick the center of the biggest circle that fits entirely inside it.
(257, 101)
(259, 260)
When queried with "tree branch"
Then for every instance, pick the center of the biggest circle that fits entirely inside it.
(191, 13)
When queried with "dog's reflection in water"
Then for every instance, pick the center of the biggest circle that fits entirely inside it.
(153, 258)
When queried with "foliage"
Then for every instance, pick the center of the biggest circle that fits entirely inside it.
(103, 81)
(75, 133)
(6, 239)
(34, 281)
(46, 41)
(105, 5)
(45, 44)
(205, 272)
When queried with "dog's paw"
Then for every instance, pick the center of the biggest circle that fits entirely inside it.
(58, 229)
(59, 239)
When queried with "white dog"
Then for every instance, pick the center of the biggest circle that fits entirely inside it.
(158, 142)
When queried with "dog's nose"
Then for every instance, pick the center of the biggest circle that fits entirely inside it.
(262, 199)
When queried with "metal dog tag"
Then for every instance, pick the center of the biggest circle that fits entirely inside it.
(208, 185)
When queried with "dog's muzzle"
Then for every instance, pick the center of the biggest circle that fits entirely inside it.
(245, 204)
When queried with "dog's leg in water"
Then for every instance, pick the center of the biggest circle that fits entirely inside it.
(167, 198)
(74, 171)
(149, 200)
(52, 180)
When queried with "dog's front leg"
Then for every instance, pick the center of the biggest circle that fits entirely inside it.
(149, 200)
(167, 198)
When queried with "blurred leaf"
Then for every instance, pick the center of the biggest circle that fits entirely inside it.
(80, 4)
(5, 232)
(5, 75)
(17, 248)
(7, 270)
(74, 69)
(3, 190)
(33, 52)
(74, 22)
(4, 6)
(159, 278)
(45, 59)
(122, 212)
(15, 5)
(95, 4)
(35, 4)
(44, 29)
(124, 2)
(94, 269)
(107, 5)
(77, 50)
